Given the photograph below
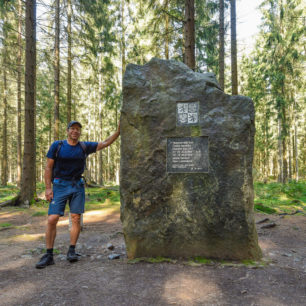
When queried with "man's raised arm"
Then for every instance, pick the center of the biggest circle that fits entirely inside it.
(107, 142)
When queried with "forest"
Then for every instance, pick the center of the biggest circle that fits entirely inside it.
(64, 60)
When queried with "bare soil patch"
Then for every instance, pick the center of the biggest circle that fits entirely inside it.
(96, 280)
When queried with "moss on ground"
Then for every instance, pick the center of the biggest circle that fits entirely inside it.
(280, 198)
(158, 259)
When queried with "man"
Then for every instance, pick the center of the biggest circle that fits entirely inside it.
(65, 165)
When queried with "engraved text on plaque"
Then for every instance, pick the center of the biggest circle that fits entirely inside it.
(187, 154)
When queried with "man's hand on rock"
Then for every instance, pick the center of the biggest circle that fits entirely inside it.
(49, 194)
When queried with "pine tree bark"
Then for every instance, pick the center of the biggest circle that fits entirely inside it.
(56, 70)
(189, 34)
(296, 146)
(221, 43)
(28, 173)
(4, 167)
(69, 61)
(280, 153)
(234, 49)
(101, 124)
(290, 155)
(285, 161)
(167, 37)
(166, 31)
(19, 63)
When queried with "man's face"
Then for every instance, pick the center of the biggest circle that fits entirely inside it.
(74, 132)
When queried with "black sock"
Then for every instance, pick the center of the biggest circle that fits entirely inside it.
(50, 251)
(72, 247)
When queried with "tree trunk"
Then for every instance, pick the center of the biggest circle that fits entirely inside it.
(50, 130)
(69, 61)
(100, 123)
(189, 33)
(166, 31)
(221, 43)
(280, 153)
(108, 164)
(296, 146)
(56, 70)
(4, 167)
(274, 165)
(285, 162)
(234, 49)
(28, 173)
(290, 155)
(19, 95)
(123, 60)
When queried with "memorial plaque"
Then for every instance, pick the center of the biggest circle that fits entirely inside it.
(187, 155)
(187, 113)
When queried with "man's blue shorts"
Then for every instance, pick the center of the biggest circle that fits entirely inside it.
(71, 191)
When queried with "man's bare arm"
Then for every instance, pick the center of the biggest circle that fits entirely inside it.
(48, 178)
(107, 142)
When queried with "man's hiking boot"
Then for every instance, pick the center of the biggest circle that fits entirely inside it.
(71, 255)
(46, 260)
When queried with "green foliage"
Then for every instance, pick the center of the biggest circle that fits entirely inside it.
(40, 213)
(203, 260)
(206, 31)
(8, 192)
(265, 209)
(280, 198)
(98, 198)
(5, 224)
(273, 76)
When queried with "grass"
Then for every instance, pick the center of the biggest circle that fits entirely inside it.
(102, 198)
(202, 260)
(5, 224)
(280, 198)
(8, 192)
(40, 213)
(97, 197)
(271, 198)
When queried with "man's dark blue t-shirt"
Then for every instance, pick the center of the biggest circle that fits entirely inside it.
(70, 160)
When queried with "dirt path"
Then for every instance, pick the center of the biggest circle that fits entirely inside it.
(96, 280)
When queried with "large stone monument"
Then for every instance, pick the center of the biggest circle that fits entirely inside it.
(186, 165)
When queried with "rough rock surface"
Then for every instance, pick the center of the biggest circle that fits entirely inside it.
(185, 214)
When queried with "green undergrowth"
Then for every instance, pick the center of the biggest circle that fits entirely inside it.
(5, 224)
(96, 198)
(102, 198)
(8, 192)
(270, 198)
(40, 213)
(202, 260)
(277, 198)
